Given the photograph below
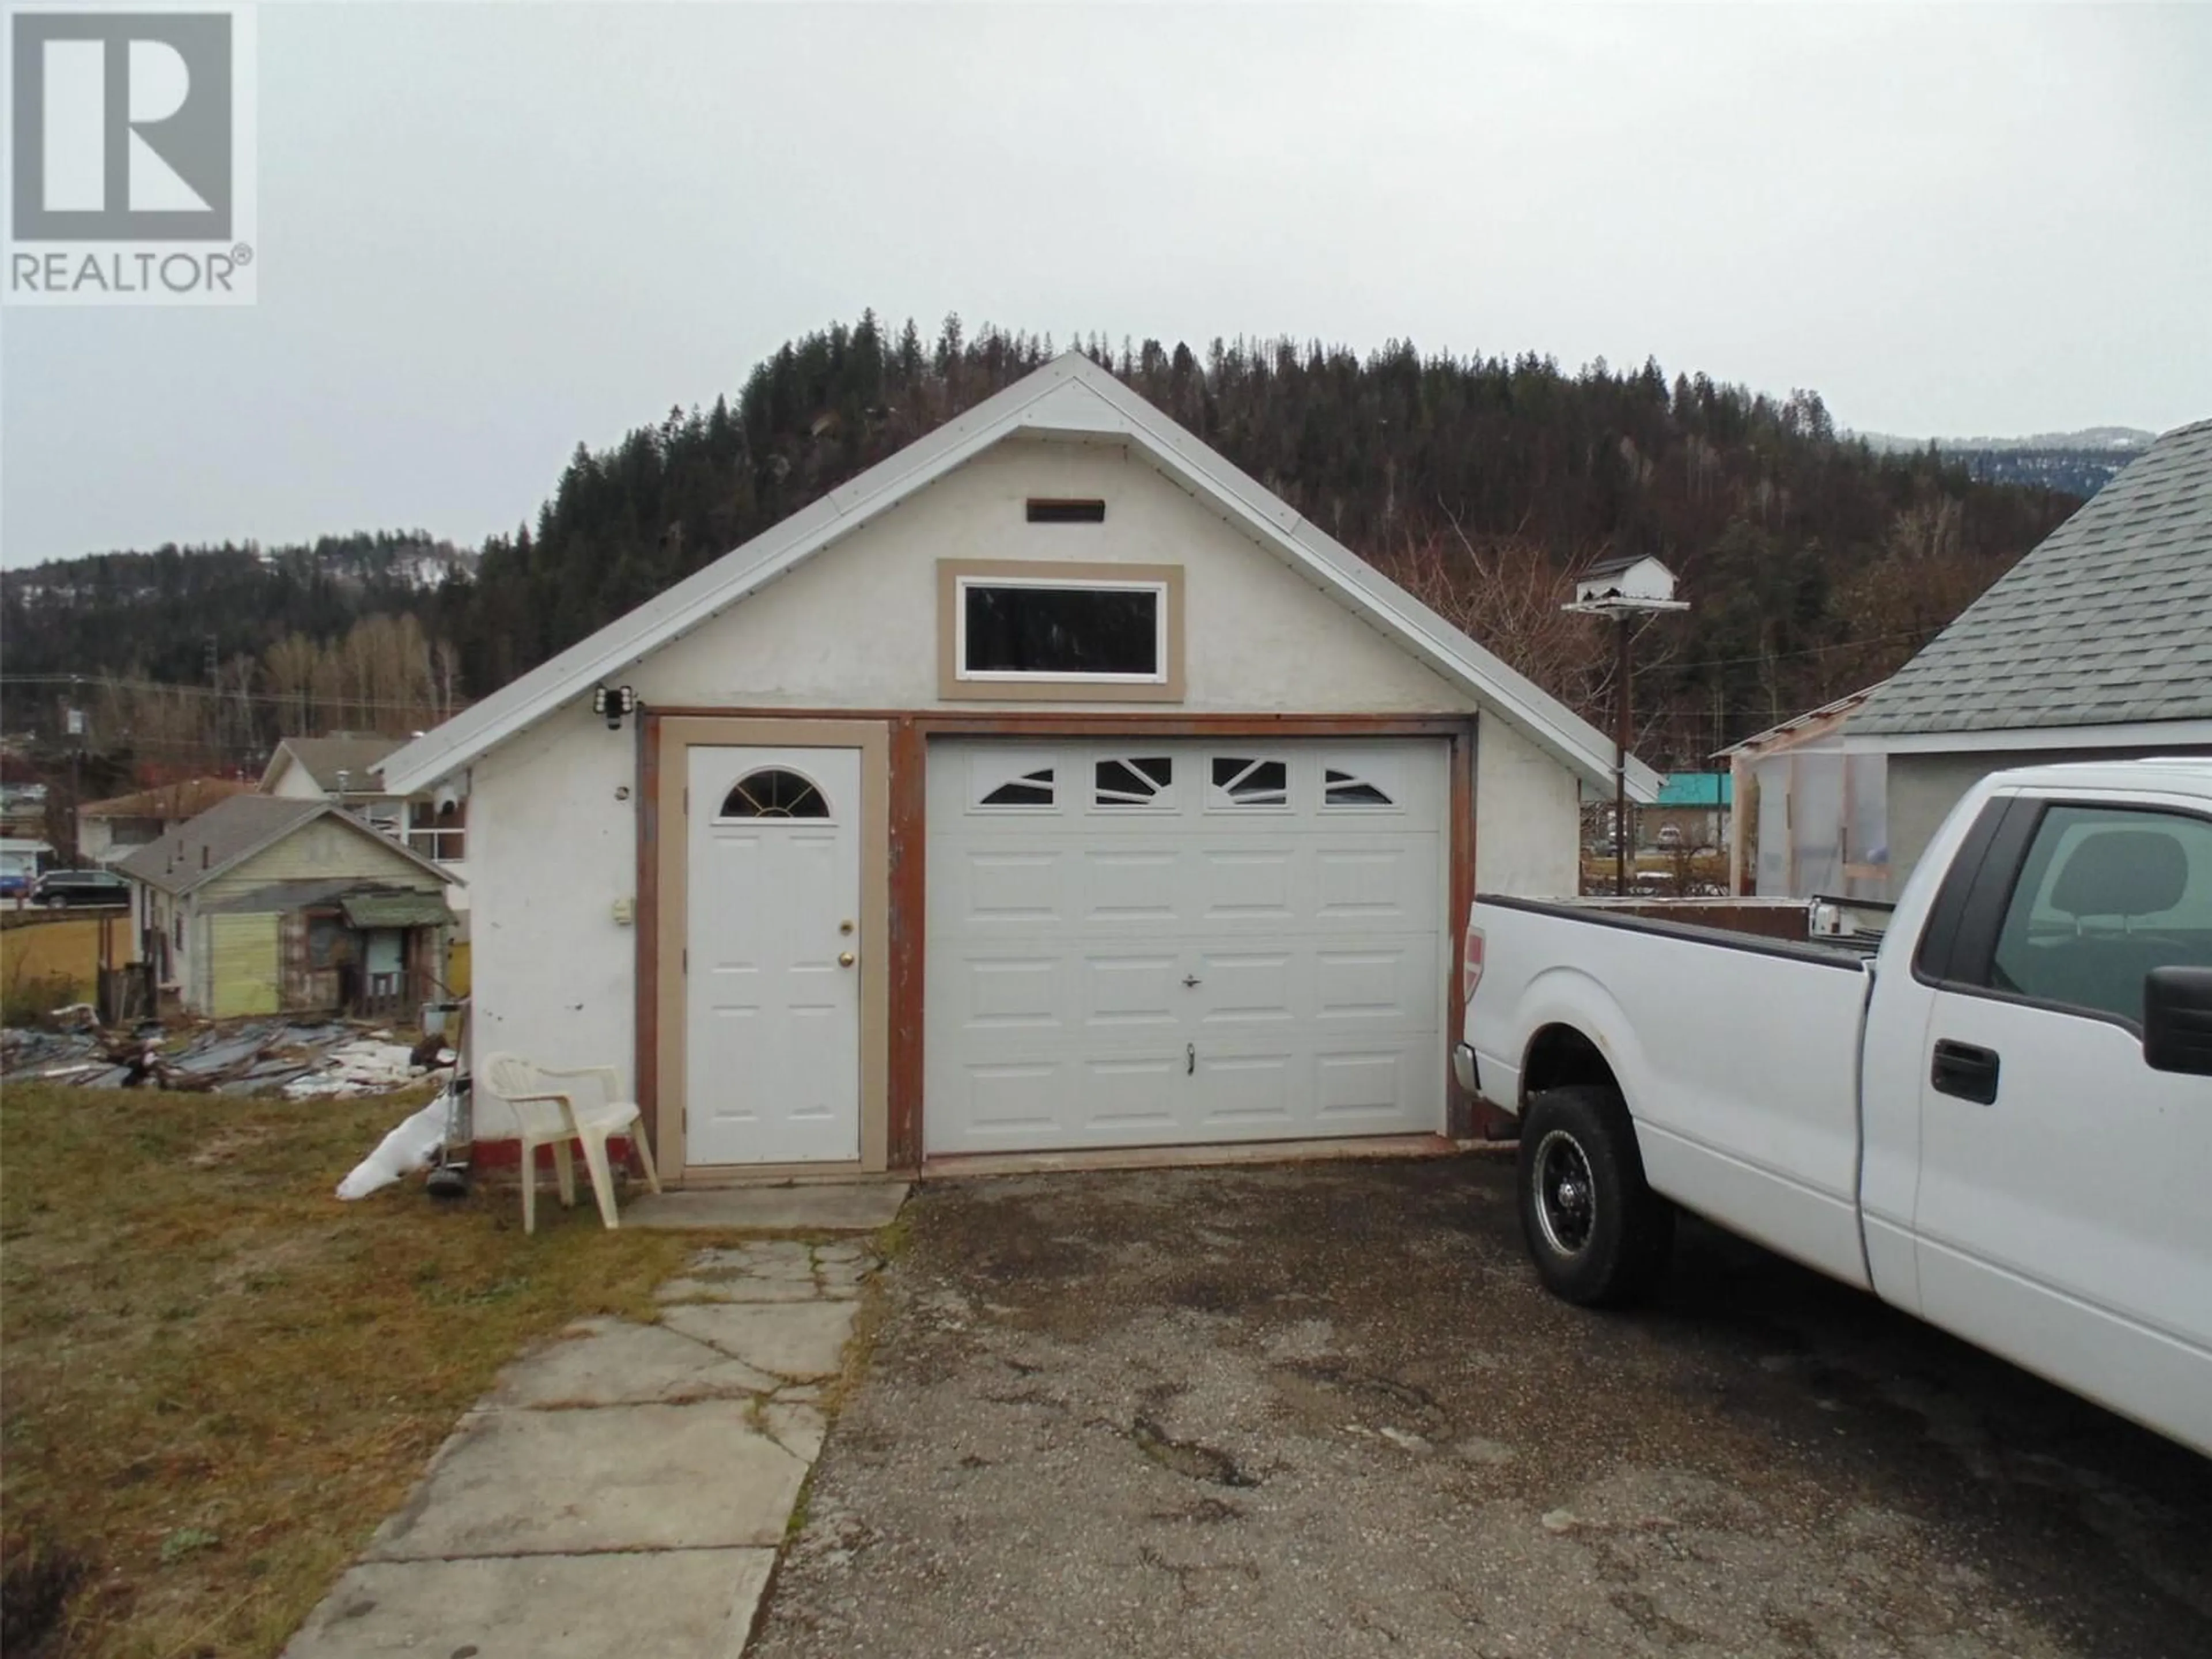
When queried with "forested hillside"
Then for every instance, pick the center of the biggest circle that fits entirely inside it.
(1814, 563)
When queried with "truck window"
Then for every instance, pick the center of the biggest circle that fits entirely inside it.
(2105, 895)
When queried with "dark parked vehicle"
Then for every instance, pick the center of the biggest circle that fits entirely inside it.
(63, 890)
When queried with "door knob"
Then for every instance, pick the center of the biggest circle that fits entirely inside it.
(844, 958)
(1189, 980)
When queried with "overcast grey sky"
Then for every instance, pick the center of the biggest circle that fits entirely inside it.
(489, 231)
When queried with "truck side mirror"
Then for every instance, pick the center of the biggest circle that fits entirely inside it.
(2178, 1020)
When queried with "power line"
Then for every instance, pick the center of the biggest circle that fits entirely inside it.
(92, 684)
(1919, 635)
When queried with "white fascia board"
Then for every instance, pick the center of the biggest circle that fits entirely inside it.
(2137, 734)
(1069, 397)
(1444, 647)
(710, 590)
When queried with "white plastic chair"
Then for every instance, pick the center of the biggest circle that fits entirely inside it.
(548, 1114)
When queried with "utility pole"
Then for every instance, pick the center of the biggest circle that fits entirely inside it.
(1623, 666)
(1623, 589)
(74, 723)
(215, 696)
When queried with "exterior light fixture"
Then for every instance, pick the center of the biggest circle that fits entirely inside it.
(614, 702)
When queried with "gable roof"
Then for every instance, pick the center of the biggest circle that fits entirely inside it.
(1071, 396)
(172, 802)
(2107, 622)
(233, 831)
(355, 754)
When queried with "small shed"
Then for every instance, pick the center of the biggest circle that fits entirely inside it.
(264, 905)
(1811, 808)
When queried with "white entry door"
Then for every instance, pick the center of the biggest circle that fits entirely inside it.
(1135, 942)
(772, 983)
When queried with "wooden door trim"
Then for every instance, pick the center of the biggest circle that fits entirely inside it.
(669, 739)
(895, 774)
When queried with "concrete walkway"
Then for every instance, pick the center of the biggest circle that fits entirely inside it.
(622, 1490)
(858, 1206)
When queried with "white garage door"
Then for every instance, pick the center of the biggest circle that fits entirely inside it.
(1146, 943)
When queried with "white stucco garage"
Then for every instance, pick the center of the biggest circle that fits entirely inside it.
(1050, 787)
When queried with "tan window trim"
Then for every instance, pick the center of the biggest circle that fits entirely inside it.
(950, 573)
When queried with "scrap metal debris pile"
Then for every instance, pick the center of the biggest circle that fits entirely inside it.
(335, 1059)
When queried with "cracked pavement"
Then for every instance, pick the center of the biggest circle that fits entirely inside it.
(623, 1488)
(1326, 1410)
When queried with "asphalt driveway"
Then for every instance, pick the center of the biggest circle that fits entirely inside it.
(1326, 1411)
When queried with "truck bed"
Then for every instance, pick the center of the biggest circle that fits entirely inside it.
(1743, 1050)
(1853, 952)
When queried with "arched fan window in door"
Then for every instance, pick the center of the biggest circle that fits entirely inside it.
(774, 793)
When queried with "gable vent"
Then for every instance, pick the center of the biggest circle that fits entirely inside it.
(1063, 511)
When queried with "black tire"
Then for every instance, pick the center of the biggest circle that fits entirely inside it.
(1600, 1236)
(55, 902)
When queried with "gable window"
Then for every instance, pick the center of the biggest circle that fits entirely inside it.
(1021, 630)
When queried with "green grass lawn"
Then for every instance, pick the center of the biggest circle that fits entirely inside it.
(215, 1379)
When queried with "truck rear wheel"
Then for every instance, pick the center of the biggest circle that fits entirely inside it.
(1599, 1235)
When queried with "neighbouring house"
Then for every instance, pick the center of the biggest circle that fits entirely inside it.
(1050, 787)
(2096, 645)
(1692, 811)
(22, 858)
(23, 811)
(108, 830)
(343, 767)
(261, 905)
(1812, 815)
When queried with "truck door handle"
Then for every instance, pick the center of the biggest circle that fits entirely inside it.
(1964, 1070)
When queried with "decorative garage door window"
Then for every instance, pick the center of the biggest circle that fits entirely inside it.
(1031, 788)
(1242, 781)
(1135, 781)
(1340, 788)
(775, 792)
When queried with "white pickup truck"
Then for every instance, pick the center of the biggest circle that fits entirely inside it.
(2002, 1123)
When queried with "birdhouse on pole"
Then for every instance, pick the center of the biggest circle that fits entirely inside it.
(1641, 583)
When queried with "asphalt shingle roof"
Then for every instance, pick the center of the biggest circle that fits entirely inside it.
(218, 838)
(356, 756)
(2107, 622)
(174, 802)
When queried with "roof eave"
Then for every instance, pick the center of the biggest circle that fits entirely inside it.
(1069, 398)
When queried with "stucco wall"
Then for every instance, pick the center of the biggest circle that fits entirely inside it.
(1923, 788)
(1527, 817)
(856, 626)
(552, 847)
